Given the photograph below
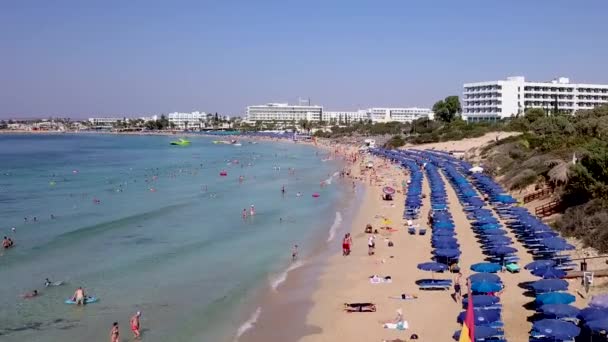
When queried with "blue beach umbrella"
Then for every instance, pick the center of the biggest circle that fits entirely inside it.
(503, 250)
(555, 298)
(549, 273)
(482, 317)
(591, 314)
(598, 325)
(447, 253)
(486, 267)
(559, 310)
(498, 238)
(443, 232)
(539, 264)
(486, 287)
(481, 332)
(492, 232)
(433, 266)
(556, 329)
(478, 277)
(480, 301)
(557, 243)
(549, 285)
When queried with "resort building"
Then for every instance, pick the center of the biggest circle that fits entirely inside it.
(105, 122)
(494, 100)
(346, 116)
(187, 120)
(399, 114)
(284, 112)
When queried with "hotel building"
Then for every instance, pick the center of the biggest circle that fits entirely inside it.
(495, 100)
(187, 120)
(284, 112)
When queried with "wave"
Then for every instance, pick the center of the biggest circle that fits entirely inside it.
(328, 180)
(280, 279)
(250, 323)
(334, 227)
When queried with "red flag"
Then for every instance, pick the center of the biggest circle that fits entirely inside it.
(467, 334)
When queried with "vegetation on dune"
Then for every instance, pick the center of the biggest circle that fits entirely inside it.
(568, 153)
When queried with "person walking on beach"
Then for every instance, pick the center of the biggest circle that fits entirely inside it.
(345, 246)
(134, 322)
(114, 333)
(457, 288)
(294, 253)
(371, 245)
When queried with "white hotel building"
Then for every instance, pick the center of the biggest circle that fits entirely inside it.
(187, 120)
(494, 100)
(285, 113)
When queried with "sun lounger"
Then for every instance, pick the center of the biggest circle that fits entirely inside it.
(434, 284)
(411, 230)
(513, 268)
(397, 326)
(422, 231)
(359, 307)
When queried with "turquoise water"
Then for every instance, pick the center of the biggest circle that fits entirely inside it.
(148, 226)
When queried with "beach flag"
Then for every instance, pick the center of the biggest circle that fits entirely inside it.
(467, 334)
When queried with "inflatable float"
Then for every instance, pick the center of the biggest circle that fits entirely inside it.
(223, 173)
(88, 300)
(316, 194)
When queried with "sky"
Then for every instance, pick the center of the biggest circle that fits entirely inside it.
(141, 57)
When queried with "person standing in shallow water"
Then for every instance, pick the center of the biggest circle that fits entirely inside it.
(294, 253)
(114, 333)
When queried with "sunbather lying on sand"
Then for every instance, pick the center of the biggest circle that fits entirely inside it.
(376, 279)
(404, 296)
(359, 307)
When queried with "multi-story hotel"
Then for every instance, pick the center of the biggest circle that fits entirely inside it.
(494, 100)
(285, 113)
(187, 120)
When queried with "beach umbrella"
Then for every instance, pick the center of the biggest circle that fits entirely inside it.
(388, 190)
(482, 316)
(443, 232)
(432, 266)
(480, 301)
(494, 232)
(502, 250)
(447, 253)
(599, 301)
(478, 277)
(555, 298)
(539, 264)
(557, 243)
(592, 314)
(598, 325)
(559, 310)
(556, 329)
(445, 244)
(443, 224)
(481, 332)
(544, 234)
(486, 287)
(498, 238)
(486, 267)
(549, 273)
(549, 285)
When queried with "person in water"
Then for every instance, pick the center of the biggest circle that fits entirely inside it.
(79, 296)
(244, 213)
(115, 333)
(31, 294)
(294, 253)
(252, 210)
(134, 322)
(47, 282)
(7, 243)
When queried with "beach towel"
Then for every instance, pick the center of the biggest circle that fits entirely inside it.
(379, 280)
(398, 326)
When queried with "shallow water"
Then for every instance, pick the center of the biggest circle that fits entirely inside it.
(166, 237)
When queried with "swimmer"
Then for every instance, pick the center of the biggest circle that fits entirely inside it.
(47, 282)
(79, 296)
(294, 253)
(283, 190)
(30, 294)
(14, 229)
(135, 324)
(6, 243)
(299, 194)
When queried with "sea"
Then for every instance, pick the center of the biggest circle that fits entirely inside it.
(147, 226)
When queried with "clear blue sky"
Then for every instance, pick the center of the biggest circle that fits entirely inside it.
(133, 57)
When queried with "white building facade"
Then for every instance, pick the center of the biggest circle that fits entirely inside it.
(495, 100)
(343, 116)
(284, 112)
(399, 114)
(106, 121)
(187, 120)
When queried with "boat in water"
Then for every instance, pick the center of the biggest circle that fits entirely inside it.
(181, 142)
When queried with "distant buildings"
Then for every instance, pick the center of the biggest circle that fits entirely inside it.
(494, 100)
(193, 120)
(105, 122)
(283, 112)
